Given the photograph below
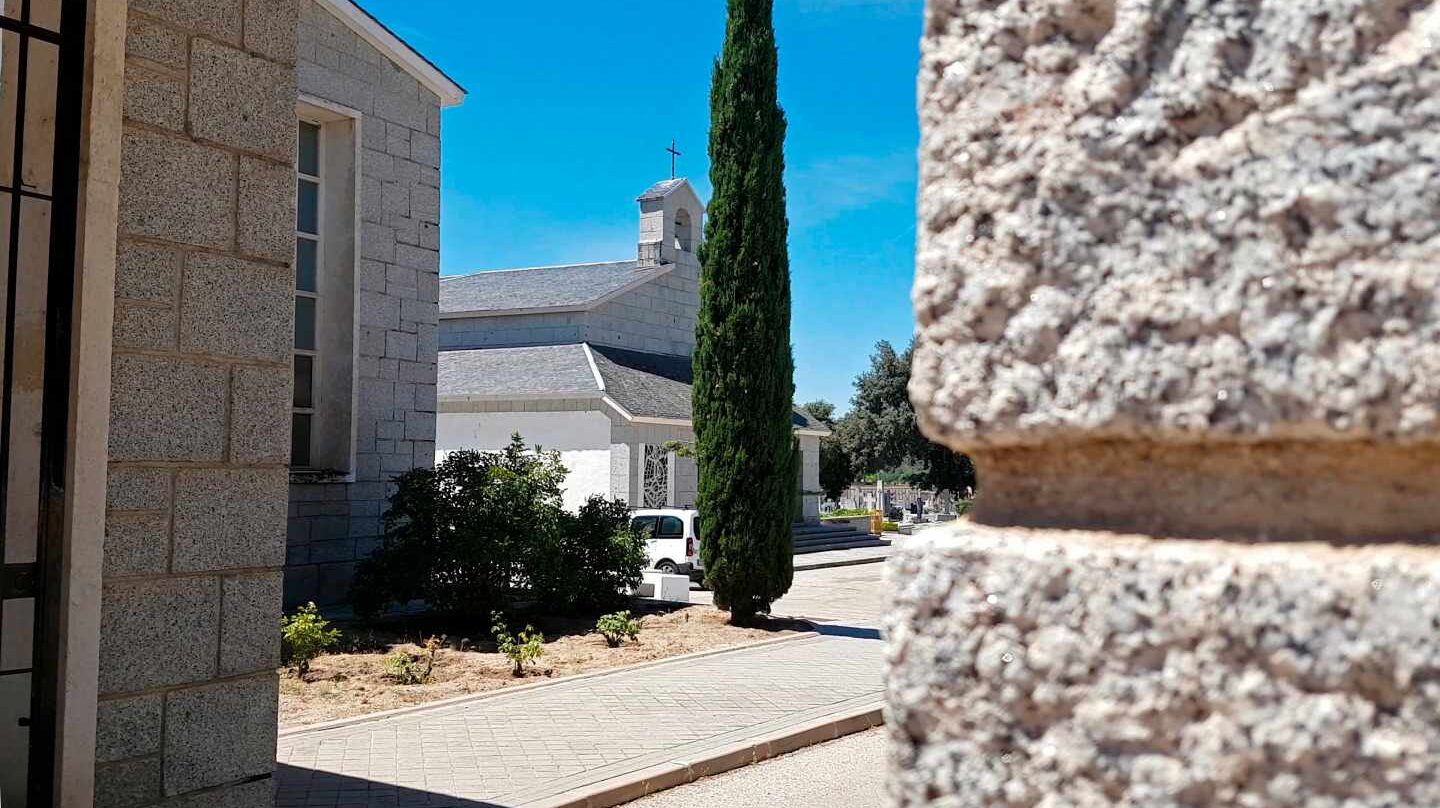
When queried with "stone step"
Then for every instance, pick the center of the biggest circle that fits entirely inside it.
(821, 529)
(869, 541)
(813, 540)
(841, 535)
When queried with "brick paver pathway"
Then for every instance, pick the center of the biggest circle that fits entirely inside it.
(520, 748)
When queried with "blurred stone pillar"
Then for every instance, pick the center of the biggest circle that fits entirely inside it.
(1179, 297)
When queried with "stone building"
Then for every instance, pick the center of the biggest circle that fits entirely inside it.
(593, 360)
(1177, 298)
(219, 226)
(374, 104)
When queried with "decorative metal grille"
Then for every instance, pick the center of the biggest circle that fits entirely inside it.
(657, 477)
(42, 63)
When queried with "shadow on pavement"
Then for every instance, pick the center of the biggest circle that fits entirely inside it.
(854, 632)
(297, 787)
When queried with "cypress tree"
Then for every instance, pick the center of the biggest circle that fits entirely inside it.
(744, 371)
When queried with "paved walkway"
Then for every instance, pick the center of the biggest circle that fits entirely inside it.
(846, 773)
(522, 748)
(851, 596)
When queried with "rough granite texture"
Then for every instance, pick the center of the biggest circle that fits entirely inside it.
(1177, 277)
(1048, 669)
(1172, 220)
(200, 396)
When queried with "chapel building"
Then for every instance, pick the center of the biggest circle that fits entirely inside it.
(593, 360)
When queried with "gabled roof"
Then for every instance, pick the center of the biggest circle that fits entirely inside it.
(661, 189)
(638, 385)
(545, 371)
(646, 384)
(572, 287)
(397, 50)
(804, 420)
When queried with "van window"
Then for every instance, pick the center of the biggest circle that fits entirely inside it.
(695, 523)
(644, 525)
(671, 527)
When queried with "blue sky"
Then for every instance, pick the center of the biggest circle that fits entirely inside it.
(572, 104)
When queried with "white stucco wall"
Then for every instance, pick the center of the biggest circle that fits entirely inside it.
(582, 438)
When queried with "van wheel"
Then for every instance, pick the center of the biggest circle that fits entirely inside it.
(667, 567)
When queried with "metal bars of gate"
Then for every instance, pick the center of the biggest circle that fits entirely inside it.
(42, 50)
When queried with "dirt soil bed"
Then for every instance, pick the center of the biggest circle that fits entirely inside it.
(347, 684)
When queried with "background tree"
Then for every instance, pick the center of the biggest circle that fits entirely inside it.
(837, 470)
(744, 371)
(823, 411)
(880, 432)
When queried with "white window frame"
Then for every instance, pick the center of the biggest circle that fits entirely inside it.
(335, 422)
(318, 237)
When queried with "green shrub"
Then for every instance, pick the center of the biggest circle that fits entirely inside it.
(590, 563)
(413, 669)
(305, 636)
(482, 529)
(890, 527)
(522, 650)
(963, 506)
(617, 628)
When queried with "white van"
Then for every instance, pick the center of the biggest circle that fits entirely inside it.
(672, 540)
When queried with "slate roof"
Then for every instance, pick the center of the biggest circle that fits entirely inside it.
(661, 189)
(645, 384)
(804, 420)
(554, 371)
(540, 287)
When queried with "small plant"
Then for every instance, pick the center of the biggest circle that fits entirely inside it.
(306, 635)
(617, 628)
(522, 650)
(413, 669)
(890, 527)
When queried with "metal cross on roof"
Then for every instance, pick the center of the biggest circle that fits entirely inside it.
(673, 155)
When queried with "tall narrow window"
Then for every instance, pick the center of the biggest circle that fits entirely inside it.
(327, 225)
(309, 248)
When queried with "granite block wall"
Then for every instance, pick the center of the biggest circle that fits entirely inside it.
(1176, 298)
(514, 330)
(335, 521)
(199, 427)
(627, 461)
(658, 317)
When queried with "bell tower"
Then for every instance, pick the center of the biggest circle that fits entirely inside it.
(672, 218)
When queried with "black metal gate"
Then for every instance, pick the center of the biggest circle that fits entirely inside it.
(42, 66)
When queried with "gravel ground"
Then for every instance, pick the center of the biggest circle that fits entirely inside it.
(348, 684)
(848, 773)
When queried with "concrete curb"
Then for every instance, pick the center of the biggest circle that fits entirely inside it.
(525, 688)
(619, 790)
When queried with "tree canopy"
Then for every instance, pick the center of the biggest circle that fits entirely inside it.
(881, 434)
